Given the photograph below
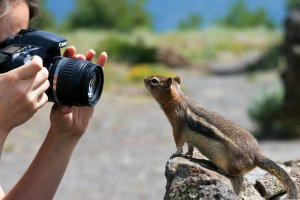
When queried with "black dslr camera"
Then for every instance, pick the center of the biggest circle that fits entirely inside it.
(72, 81)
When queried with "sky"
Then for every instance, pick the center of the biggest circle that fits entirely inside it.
(167, 14)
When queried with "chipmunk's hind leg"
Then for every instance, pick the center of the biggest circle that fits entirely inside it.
(190, 151)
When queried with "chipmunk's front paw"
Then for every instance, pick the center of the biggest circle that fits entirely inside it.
(188, 154)
(174, 155)
(178, 153)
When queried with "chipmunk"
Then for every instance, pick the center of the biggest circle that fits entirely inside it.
(227, 145)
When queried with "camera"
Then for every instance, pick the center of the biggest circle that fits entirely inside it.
(73, 82)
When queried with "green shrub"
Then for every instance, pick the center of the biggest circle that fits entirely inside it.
(266, 111)
(193, 21)
(122, 49)
(44, 19)
(240, 16)
(293, 4)
(271, 59)
(123, 15)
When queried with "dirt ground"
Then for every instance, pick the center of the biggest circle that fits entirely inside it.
(123, 154)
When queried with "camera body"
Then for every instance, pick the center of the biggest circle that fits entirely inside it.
(27, 43)
(72, 81)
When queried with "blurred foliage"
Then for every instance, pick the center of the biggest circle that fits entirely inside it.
(138, 72)
(293, 4)
(240, 16)
(271, 59)
(123, 15)
(266, 111)
(44, 19)
(141, 46)
(193, 21)
(221, 43)
(125, 49)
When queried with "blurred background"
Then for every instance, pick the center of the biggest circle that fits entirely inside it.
(239, 58)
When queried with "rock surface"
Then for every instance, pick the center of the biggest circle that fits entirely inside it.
(197, 178)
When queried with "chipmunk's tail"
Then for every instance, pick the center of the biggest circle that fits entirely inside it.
(270, 166)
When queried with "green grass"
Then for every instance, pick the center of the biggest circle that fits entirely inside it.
(210, 43)
(84, 40)
(203, 45)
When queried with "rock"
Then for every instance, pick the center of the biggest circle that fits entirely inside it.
(171, 58)
(269, 186)
(236, 66)
(197, 178)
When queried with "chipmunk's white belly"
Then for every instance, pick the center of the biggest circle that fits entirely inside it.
(209, 147)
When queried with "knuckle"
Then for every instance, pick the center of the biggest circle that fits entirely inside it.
(47, 83)
(36, 63)
(44, 73)
(30, 105)
(46, 97)
(22, 92)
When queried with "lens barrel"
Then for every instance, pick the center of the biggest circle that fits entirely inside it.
(75, 82)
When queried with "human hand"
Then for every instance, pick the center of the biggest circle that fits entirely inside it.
(73, 121)
(22, 93)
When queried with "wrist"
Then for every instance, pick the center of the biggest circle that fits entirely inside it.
(58, 144)
(5, 127)
(4, 131)
(63, 137)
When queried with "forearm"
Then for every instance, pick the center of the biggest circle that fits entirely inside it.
(44, 175)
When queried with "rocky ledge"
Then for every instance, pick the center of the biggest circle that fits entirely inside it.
(197, 178)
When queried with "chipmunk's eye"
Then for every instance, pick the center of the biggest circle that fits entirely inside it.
(154, 81)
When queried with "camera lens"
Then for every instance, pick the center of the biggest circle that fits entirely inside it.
(74, 82)
(92, 86)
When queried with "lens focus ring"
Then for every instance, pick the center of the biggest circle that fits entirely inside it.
(76, 82)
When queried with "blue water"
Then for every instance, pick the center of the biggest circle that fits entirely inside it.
(166, 14)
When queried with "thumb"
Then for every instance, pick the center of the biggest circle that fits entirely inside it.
(30, 69)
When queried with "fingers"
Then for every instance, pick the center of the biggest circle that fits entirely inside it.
(90, 54)
(30, 69)
(80, 57)
(41, 88)
(70, 52)
(41, 101)
(41, 78)
(102, 59)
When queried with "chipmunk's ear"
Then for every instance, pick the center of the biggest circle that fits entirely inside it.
(168, 82)
(177, 79)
